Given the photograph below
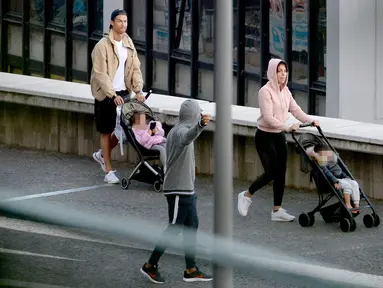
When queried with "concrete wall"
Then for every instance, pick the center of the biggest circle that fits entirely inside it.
(354, 60)
(72, 132)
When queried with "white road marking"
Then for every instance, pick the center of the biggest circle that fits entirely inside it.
(55, 193)
(25, 253)
(23, 284)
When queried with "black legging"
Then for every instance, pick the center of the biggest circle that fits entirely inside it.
(272, 151)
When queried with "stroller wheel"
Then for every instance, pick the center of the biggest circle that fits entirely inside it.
(368, 220)
(157, 186)
(345, 225)
(125, 183)
(306, 220)
(377, 220)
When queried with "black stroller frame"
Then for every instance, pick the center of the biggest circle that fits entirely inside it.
(143, 172)
(337, 212)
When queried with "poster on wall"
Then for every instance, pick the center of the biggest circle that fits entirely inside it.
(300, 25)
(277, 26)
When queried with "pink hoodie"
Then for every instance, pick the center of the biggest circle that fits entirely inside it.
(143, 137)
(275, 104)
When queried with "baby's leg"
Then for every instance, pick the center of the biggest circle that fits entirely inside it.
(162, 149)
(355, 192)
(347, 191)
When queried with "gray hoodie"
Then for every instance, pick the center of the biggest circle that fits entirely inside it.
(180, 163)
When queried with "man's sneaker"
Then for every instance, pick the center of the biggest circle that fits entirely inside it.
(281, 215)
(244, 203)
(97, 156)
(111, 178)
(196, 276)
(152, 274)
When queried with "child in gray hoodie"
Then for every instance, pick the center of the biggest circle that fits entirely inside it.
(179, 190)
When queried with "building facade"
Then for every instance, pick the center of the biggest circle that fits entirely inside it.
(175, 42)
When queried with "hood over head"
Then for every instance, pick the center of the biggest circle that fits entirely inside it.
(272, 73)
(190, 113)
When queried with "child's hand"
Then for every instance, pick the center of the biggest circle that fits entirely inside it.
(205, 118)
(337, 186)
(150, 132)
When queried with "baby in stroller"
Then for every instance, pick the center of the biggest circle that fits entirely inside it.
(150, 136)
(328, 161)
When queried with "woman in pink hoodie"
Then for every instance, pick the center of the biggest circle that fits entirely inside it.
(275, 101)
(151, 139)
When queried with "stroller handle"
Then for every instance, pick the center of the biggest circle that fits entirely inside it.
(307, 124)
(148, 94)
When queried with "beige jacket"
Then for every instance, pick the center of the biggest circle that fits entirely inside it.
(105, 60)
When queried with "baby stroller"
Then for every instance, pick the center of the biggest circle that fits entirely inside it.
(143, 172)
(337, 212)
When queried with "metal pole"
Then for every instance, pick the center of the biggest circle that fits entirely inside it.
(223, 138)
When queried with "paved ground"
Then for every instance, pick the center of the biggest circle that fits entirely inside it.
(31, 252)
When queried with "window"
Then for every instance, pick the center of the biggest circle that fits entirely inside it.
(15, 6)
(206, 45)
(253, 37)
(80, 15)
(321, 39)
(300, 41)
(99, 15)
(138, 16)
(277, 28)
(37, 11)
(59, 12)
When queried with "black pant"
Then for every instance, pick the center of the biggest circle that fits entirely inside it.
(272, 151)
(182, 211)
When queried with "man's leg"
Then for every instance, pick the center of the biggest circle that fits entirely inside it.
(108, 142)
(105, 114)
(192, 273)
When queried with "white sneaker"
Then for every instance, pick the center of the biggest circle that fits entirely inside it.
(111, 178)
(281, 215)
(244, 203)
(97, 156)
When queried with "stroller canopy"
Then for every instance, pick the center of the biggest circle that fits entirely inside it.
(134, 106)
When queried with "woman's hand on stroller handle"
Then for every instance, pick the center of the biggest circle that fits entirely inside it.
(314, 123)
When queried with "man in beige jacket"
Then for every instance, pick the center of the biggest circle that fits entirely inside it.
(115, 74)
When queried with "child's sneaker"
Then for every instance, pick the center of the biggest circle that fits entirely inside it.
(196, 276)
(152, 274)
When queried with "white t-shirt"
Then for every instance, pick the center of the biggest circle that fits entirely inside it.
(118, 81)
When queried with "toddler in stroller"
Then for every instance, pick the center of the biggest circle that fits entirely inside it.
(132, 129)
(328, 161)
(150, 136)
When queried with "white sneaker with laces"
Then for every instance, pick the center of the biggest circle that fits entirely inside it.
(111, 178)
(281, 215)
(97, 156)
(244, 203)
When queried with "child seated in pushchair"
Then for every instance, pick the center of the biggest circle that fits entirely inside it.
(150, 136)
(328, 161)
